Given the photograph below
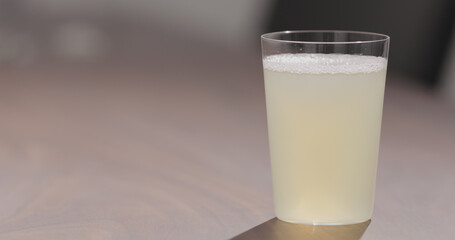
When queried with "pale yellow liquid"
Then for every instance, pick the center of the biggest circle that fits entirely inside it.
(324, 128)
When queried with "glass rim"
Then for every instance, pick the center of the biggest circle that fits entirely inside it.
(266, 36)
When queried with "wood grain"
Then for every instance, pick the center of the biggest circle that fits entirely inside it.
(131, 152)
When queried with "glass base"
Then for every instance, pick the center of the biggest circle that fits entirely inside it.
(324, 223)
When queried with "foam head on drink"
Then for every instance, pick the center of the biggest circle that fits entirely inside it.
(324, 117)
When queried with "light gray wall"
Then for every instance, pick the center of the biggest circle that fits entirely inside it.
(234, 22)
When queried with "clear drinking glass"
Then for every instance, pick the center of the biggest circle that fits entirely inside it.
(324, 94)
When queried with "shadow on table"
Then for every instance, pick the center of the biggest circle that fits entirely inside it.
(275, 229)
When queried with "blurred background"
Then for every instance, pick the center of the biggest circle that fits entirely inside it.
(34, 31)
(112, 30)
(97, 32)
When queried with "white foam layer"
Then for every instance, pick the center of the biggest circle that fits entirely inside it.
(324, 63)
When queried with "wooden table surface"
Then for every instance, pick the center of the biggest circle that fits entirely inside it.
(155, 152)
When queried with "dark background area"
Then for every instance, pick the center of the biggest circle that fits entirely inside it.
(419, 30)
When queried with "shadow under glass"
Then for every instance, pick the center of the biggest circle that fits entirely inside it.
(275, 229)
